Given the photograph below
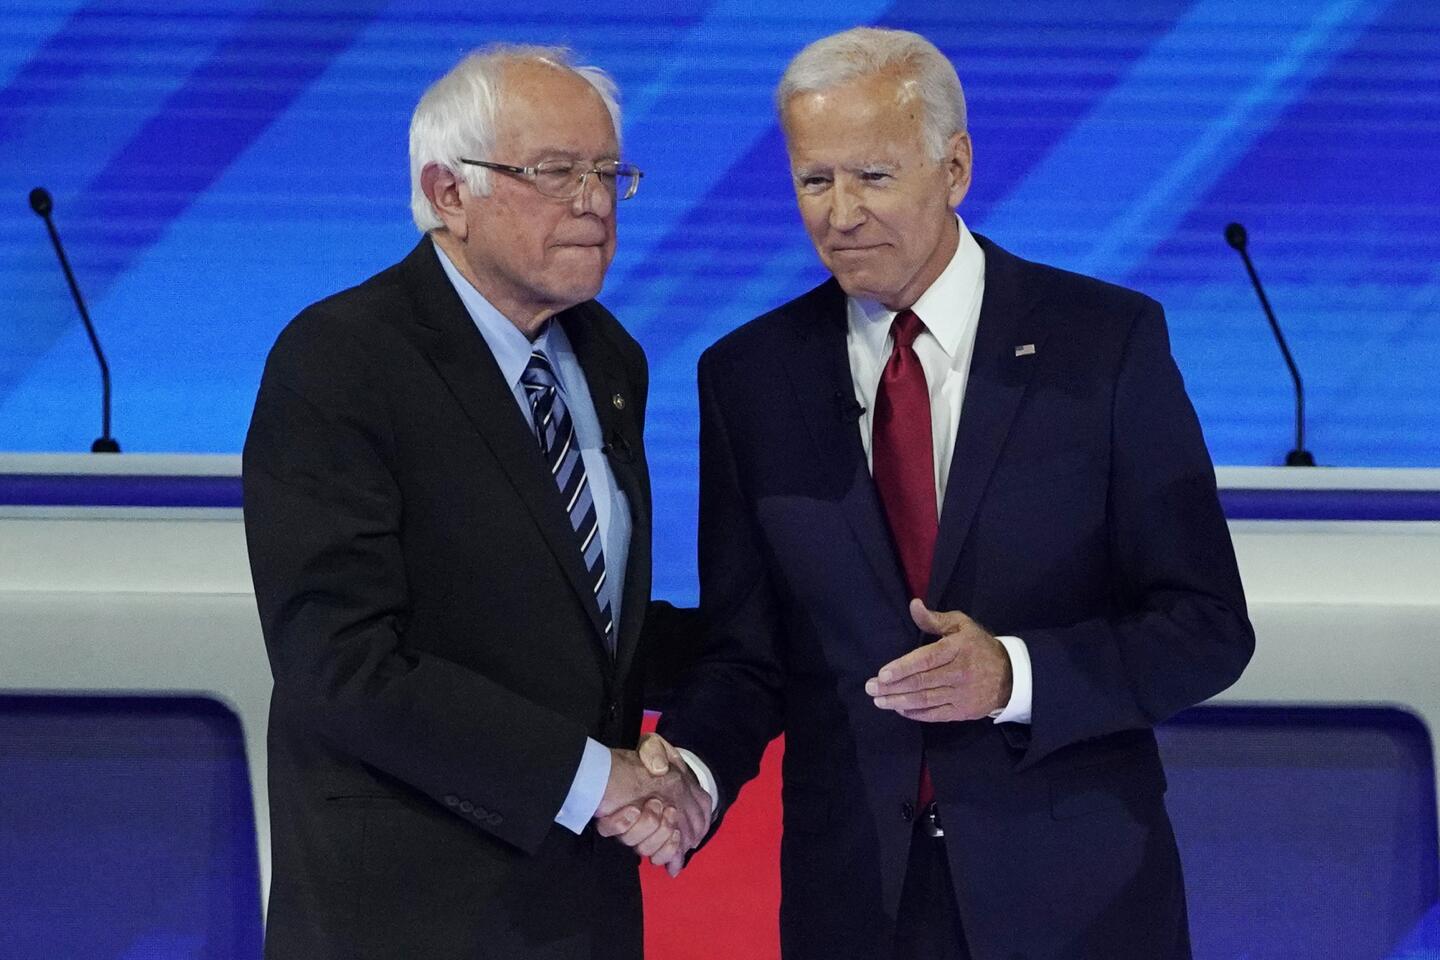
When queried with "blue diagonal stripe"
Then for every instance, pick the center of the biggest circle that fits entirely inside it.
(184, 147)
(83, 46)
(1236, 82)
(223, 106)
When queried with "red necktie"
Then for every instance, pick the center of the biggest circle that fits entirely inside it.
(902, 457)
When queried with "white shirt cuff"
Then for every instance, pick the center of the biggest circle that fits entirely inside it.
(1023, 685)
(587, 789)
(706, 778)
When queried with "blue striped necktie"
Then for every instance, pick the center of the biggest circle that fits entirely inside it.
(558, 445)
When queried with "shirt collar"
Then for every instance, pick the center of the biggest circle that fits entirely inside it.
(510, 347)
(946, 307)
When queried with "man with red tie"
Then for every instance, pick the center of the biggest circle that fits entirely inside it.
(960, 542)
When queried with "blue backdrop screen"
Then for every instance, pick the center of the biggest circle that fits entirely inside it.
(217, 166)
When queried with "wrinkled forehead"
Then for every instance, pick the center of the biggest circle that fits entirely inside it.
(894, 90)
(876, 117)
(545, 106)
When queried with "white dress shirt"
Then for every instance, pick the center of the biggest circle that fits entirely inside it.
(950, 312)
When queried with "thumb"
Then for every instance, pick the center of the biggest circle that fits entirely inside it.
(936, 624)
(653, 754)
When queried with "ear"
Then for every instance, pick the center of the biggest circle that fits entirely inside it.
(447, 196)
(959, 160)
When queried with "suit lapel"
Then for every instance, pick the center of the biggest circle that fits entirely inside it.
(448, 337)
(997, 382)
(819, 370)
(617, 405)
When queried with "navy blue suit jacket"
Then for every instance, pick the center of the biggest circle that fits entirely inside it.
(1080, 515)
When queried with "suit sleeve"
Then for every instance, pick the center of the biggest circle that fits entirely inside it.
(323, 517)
(672, 644)
(1182, 634)
(730, 704)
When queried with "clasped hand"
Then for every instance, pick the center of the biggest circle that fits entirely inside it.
(654, 804)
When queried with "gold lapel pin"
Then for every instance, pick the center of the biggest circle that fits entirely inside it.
(618, 401)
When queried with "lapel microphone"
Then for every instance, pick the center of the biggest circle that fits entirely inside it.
(618, 448)
(847, 408)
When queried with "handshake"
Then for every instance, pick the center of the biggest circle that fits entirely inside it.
(654, 804)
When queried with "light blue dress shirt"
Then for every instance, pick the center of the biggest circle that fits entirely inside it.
(511, 349)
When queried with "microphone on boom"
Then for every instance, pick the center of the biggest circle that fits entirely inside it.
(42, 203)
(1298, 457)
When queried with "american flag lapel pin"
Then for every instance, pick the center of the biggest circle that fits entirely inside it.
(1025, 350)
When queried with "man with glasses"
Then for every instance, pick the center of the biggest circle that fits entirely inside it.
(448, 514)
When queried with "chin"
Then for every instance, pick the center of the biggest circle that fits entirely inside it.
(580, 291)
(859, 285)
(580, 277)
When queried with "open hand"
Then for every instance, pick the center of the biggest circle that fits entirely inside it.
(964, 675)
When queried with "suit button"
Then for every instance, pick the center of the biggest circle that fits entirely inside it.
(907, 811)
(451, 799)
(612, 711)
(467, 806)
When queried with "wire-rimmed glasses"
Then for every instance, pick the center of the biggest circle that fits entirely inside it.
(564, 179)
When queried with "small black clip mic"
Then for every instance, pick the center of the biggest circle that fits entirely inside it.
(42, 203)
(1299, 457)
(847, 407)
(618, 448)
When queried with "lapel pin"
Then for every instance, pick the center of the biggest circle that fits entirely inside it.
(619, 401)
(1025, 350)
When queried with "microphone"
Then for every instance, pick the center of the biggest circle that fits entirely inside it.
(42, 203)
(1299, 457)
(618, 448)
(847, 407)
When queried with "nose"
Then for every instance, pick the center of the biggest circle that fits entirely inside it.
(847, 209)
(594, 197)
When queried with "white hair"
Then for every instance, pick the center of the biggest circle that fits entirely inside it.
(457, 116)
(864, 51)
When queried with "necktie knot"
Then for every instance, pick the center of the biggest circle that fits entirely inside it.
(538, 372)
(905, 329)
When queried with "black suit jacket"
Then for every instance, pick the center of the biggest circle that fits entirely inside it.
(1080, 515)
(437, 657)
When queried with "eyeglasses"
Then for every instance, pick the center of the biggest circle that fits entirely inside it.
(564, 179)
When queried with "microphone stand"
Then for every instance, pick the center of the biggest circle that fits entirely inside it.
(1299, 457)
(42, 204)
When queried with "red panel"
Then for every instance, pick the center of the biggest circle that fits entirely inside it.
(726, 902)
